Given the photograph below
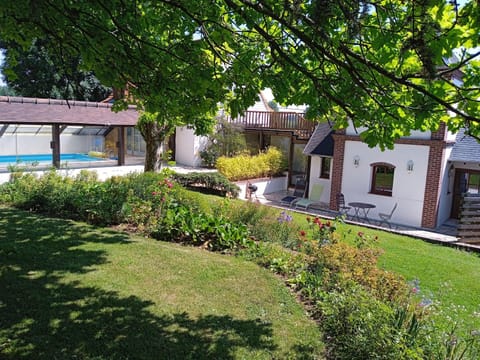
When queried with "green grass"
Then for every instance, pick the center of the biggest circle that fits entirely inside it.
(68, 290)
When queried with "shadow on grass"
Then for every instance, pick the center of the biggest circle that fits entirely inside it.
(43, 316)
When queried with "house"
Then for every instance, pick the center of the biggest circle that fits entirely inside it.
(284, 128)
(425, 174)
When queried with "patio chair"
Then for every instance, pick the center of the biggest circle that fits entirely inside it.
(315, 194)
(342, 208)
(298, 193)
(385, 218)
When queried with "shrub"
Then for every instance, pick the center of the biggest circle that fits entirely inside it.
(243, 167)
(209, 182)
(356, 325)
(228, 140)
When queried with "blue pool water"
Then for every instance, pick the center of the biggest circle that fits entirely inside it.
(44, 158)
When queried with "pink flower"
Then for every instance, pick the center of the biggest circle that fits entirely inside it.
(154, 193)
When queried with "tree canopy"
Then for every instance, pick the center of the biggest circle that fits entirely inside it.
(390, 66)
(36, 72)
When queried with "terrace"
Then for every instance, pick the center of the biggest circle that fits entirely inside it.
(293, 122)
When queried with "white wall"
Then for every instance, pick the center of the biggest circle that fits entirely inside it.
(188, 147)
(446, 192)
(40, 144)
(408, 188)
(315, 179)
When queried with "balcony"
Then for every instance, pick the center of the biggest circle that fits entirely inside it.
(278, 121)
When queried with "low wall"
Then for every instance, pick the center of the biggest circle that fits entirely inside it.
(264, 185)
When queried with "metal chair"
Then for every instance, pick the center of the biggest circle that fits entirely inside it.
(385, 218)
(342, 208)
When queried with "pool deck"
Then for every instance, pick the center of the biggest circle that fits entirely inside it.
(444, 234)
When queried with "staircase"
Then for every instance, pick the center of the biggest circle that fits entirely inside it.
(469, 223)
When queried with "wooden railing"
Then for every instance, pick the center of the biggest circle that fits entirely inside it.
(469, 224)
(269, 120)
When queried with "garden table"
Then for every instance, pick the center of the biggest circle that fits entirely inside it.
(361, 210)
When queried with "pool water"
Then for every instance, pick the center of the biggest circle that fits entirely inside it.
(44, 158)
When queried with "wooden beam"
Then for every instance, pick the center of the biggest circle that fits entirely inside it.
(121, 146)
(290, 161)
(55, 145)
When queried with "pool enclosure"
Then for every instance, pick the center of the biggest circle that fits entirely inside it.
(42, 126)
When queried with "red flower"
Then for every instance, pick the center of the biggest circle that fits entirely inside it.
(154, 193)
(328, 224)
(302, 233)
(360, 234)
(316, 221)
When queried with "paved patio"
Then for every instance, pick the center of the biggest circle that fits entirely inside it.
(444, 234)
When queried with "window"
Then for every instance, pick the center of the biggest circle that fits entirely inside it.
(325, 167)
(473, 183)
(382, 179)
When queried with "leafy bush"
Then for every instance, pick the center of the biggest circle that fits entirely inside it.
(265, 223)
(228, 140)
(211, 182)
(241, 167)
(356, 325)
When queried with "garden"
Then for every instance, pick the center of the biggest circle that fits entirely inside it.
(140, 266)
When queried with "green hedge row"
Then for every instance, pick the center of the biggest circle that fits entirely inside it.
(208, 182)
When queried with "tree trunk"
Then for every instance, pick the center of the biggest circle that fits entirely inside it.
(154, 135)
(153, 160)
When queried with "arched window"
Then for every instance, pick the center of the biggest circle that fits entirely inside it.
(382, 179)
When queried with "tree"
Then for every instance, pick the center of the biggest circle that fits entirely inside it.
(36, 72)
(387, 65)
(178, 69)
(390, 66)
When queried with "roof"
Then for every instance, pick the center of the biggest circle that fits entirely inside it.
(23, 110)
(321, 141)
(466, 148)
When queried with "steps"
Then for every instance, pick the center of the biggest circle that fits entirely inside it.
(469, 224)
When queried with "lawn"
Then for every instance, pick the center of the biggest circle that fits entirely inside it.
(69, 290)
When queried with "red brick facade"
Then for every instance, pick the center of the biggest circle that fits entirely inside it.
(337, 167)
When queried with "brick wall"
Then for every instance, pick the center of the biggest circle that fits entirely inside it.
(337, 168)
(432, 188)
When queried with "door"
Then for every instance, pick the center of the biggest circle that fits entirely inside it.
(465, 181)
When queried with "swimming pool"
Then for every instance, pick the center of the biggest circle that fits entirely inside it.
(44, 158)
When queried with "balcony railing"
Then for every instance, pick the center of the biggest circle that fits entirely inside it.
(268, 120)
